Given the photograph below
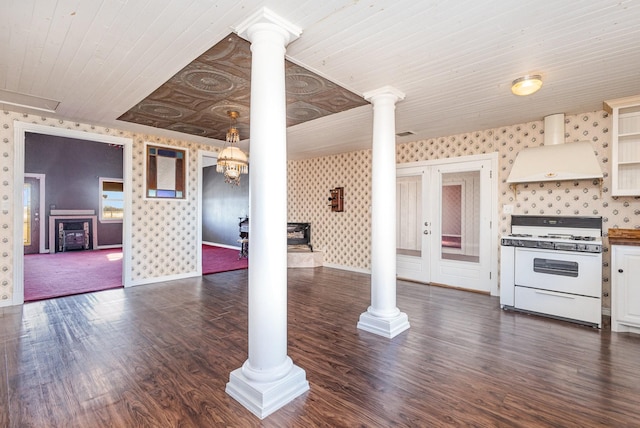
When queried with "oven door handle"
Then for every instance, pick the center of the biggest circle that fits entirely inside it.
(551, 293)
(555, 271)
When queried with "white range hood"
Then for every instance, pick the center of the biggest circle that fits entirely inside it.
(555, 160)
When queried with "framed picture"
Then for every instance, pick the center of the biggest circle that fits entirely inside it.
(166, 172)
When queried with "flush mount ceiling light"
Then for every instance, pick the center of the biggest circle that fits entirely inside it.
(232, 161)
(526, 85)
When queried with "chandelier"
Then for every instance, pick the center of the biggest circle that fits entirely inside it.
(231, 160)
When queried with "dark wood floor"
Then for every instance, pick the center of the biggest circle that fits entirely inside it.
(160, 356)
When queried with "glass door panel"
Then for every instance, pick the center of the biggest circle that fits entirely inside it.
(461, 243)
(460, 219)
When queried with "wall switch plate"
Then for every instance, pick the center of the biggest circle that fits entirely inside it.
(507, 209)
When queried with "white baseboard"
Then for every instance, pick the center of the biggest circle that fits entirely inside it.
(215, 244)
(108, 247)
(349, 268)
(146, 281)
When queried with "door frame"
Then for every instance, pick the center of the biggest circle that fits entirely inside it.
(204, 159)
(41, 230)
(415, 268)
(493, 195)
(19, 133)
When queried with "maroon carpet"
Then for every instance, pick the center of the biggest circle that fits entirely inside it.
(218, 259)
(73, 272)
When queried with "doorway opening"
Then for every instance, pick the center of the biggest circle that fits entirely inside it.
(25, 214)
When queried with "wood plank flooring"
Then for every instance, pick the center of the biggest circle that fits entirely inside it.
(160, 355)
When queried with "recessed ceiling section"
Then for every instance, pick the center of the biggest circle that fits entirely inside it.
(196, 99)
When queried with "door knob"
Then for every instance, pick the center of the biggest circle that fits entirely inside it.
(620, 270)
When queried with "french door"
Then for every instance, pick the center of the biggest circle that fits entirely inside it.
(445, 218)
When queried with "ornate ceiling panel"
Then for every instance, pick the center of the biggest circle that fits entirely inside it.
(197, 98)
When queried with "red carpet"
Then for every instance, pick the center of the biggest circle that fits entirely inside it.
(218, 259)
(73, 272)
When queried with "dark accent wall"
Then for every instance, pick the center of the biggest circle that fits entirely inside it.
(222, 206)
(73, 168)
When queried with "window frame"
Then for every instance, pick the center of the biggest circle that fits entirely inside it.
(101, 218)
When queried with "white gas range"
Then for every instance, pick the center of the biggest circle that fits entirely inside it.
(552, 265)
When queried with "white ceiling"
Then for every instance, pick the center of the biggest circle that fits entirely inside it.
(454, 60)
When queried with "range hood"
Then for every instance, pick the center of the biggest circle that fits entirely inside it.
(555, 160)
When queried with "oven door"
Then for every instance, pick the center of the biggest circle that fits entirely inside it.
(562, 271)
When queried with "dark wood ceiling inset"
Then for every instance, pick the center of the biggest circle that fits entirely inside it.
(196, 99)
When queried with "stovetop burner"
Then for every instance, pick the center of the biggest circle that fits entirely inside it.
(556, 233)
(568, 237)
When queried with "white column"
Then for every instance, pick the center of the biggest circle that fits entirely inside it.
(268, 379)
(383, 317)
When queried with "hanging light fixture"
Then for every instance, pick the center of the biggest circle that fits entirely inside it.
(231, 160)
(526, 85)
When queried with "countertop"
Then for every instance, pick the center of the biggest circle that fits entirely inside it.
(624, 237)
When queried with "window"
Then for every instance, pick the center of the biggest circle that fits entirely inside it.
(166, 172)
(111, 200)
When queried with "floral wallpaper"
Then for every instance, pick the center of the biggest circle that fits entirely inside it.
(345, 236)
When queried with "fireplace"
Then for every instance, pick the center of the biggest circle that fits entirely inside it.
(73, 234)
(72, 230)
(299, 234)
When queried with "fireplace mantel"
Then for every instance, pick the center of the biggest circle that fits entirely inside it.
(71, 215)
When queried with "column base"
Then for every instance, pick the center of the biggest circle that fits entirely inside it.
(387, 327)
(264, 398)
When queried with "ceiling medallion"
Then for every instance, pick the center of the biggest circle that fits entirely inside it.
(303, 84)
(208, 81)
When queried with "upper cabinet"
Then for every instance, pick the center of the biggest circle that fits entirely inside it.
(625, 139)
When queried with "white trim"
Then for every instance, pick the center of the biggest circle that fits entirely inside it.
(101, 181)
(215, 244)
(493, 195)
(347, 268)
(201, 164)
(19, 131)
(42, 186)
(146, 281)
(459, 159)
(72, 212)
(107, 247)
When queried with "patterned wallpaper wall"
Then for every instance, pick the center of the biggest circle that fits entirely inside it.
(345, 236)
(163, 231)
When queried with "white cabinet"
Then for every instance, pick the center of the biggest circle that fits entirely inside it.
(625, 150)
(625, 288)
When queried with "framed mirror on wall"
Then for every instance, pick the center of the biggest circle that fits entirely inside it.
(166, 172)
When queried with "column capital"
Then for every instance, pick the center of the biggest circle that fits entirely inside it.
(265, 16)
(384, 91)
